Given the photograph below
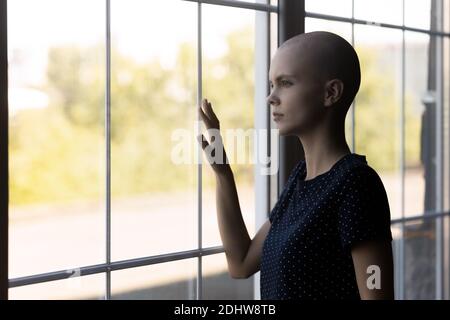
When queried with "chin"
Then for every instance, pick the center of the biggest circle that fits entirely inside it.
(286, 131)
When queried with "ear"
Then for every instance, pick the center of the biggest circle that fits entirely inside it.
(333, 91)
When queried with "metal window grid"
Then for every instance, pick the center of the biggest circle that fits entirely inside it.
(109, 266)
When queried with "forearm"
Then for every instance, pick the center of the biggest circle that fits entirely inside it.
(233, 232)
(235, 238)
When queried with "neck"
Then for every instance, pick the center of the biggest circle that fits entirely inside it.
(323, 147)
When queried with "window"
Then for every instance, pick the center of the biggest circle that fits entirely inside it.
(98, 209)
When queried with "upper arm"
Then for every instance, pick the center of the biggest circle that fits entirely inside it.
(363, 211)
(251, 262)
(373, 265)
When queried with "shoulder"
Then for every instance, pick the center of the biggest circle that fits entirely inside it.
(360, 174)
(357, 170)
(357, 177)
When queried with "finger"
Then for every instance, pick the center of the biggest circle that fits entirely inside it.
(205, 118)
(210, 111)
(204, 108)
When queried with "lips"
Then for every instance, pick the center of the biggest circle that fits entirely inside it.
(277, 116)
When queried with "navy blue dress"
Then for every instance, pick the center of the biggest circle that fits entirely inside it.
(307, 252)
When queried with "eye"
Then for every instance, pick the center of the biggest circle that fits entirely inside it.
(282, 82)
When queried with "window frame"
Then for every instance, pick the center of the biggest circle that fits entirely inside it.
(4, 176)
(288, 25)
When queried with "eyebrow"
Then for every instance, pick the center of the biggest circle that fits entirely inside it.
(283, 76)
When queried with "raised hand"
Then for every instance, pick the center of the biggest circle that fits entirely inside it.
(214, 151)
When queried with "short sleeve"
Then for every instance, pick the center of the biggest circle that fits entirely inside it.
(363, 212)
(288, 188)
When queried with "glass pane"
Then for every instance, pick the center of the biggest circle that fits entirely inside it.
(154, 81)
(345, 31)
(446, 24)
(218, 284)
(341, 8)
(418, 14)
(423, 15)
(420, 260)
(446, 125)
(228, 83)
(273, 184)
(273, 34)
(163, 281)
(384, 11)
(420, 117)
(378, 106)
(90, 287)
(446, 248)
(397, 238)
(56, 146)
(342, 29)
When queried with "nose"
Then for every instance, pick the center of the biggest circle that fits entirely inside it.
(272, 99)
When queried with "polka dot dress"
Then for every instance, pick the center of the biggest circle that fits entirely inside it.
(307, 252)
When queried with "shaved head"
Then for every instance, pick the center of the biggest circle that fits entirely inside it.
(314, 78)
(329, 56)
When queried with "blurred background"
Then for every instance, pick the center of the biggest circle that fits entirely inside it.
(89, 188)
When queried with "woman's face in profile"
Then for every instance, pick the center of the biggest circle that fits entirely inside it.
(296, 95)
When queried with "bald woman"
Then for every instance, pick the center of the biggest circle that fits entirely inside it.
(328, 235)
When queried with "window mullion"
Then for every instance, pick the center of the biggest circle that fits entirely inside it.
(108, 148)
